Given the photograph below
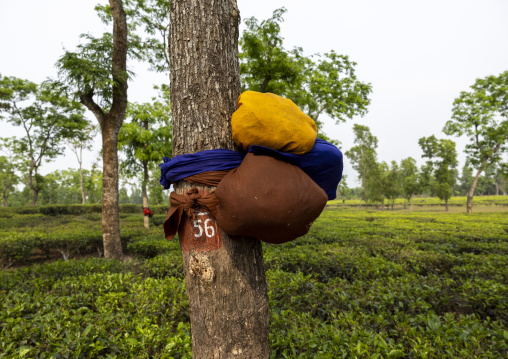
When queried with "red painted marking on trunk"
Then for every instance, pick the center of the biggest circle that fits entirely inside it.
(199, 235)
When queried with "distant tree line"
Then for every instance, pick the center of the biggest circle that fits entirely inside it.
(52, 117)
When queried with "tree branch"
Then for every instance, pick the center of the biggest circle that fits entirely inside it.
(87, 100)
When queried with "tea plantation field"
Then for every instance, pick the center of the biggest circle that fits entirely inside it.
(360, 284)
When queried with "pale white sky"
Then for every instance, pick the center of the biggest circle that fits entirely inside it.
(418, 56)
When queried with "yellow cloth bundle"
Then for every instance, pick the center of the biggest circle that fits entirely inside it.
(272, 121)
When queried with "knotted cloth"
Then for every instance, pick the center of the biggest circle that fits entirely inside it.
(190, 202)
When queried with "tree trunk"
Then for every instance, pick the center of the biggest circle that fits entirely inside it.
(5, 204)
(224, 277)
(110, 127)
(144, 193)
(470, 194)
(446, 204)
(343, 203)
(411, 206)
(110, 215)
(383, 205)
(83, 196)
(33, 188)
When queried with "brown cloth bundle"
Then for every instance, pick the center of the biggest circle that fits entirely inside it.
(191, 201)
(268, 199)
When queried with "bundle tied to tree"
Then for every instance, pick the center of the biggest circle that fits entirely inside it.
(267, 193)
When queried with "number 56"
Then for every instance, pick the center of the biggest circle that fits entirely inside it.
(208, 226)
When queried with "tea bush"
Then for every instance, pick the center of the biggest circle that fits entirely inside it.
(360, 284)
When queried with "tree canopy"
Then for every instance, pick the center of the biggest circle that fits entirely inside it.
(482, 115)
(318, 84)
(47, 117)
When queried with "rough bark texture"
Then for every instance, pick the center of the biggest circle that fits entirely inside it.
(225, 279)
(110, 215)
(144, 193)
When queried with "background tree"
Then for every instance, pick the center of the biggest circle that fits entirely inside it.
(445, 155)
(148, 25)
(344, 191)
(97, 74)
(482, 115)
(465, 180)
(47, 117)
(363, 158)
(8, 179)
(83, 141)
(393, 186)
(501, 178)
(8, 163)
(226, 285)
(410, 180)
(145, 140)
(317, 84)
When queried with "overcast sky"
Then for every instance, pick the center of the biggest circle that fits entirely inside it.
(418, 56)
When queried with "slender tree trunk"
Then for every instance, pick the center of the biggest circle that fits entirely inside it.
(446, 204)
(5, 204)
(470, 193)
(83, 196)
(110, 210)
(383, 205)
(411, 206)
(224, 277)
(343, 203)
(33, 188)
(146, 218)
(110, 127)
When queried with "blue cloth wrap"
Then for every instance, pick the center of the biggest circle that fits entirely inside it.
(323, 164)
(180, 167)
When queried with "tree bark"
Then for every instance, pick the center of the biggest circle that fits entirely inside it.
(446, 204)
(33, 188)
(80, 161)
(110, 210)
(146, 218)
(470, 193)
(110, 127)
(224, 277)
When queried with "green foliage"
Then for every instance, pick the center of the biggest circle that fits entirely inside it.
(363, 158)
(317, 84)
(8, 179)
(146, 139)
(148, 22)
(47, 116)
(409, 175)
(482, 115)
(87, 71)
(444, 169)
(359, 284)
